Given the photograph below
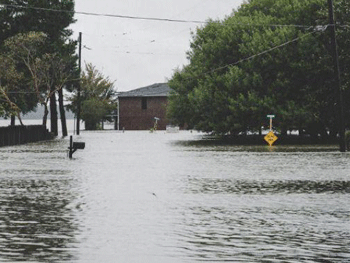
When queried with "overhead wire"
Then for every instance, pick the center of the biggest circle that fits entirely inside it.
(106, 15)
(172, 17)
(146, 18)
(244, 59)
(259, 54)
(143, 18)
(316, 28)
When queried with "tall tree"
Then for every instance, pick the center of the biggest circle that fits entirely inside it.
(269, 57)
(47, 72)
(51, 17)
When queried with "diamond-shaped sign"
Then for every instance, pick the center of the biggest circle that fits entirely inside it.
(270, 138)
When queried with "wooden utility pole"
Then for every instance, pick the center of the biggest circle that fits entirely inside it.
(339, 92)
(78, 96)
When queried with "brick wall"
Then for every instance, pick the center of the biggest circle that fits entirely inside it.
(134, 117)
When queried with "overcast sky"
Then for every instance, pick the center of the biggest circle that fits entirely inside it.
(137, 53)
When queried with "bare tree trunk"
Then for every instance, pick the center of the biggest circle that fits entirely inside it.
(19, 118)
(46, 113)
(53, 111)
(13, 120)
(62, 113)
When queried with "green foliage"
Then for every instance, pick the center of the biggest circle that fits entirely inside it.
(54, 25)
(29, 72)
(19, 53)
(27, 22)
(268, 57)
(24, 19)
(97, 96)
(93, 111)
(9, 79)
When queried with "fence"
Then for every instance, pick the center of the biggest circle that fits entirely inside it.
(16, 135)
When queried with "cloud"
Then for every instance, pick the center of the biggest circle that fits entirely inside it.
(138, 53)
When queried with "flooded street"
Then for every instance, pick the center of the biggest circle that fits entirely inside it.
(157, 197)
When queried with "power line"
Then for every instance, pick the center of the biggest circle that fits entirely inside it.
(316, 28)
(260, 54)
(235, 63)
(151, 18)
(105, 15)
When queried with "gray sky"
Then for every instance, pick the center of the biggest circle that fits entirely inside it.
(136, 53)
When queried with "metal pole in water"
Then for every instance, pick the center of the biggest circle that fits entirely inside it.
(339, 92)
(71, 147)
(79, 88)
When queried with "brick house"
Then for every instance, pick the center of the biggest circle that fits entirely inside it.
(138, 108)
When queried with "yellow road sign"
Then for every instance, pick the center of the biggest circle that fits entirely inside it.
(270, 138)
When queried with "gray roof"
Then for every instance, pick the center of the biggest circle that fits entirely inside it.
(155, 90)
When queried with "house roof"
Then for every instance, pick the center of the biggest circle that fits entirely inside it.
(155, 90)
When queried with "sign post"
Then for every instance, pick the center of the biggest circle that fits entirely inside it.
(271, 117)
(270, 138)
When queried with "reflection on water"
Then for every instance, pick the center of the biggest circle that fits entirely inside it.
(257, 232)
(217, 186)
(36, 220)
(156, 197)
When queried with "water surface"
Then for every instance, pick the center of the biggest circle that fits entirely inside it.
(157, 197)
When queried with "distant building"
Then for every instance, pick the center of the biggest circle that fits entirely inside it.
(140, 108)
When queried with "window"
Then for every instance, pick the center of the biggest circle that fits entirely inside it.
(144, 103)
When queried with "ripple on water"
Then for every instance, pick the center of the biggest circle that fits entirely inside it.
(232, 186)
(36, 221)
(210, 203)
(248, 230)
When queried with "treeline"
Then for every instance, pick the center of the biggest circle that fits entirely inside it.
(37, 58)
(268, 57)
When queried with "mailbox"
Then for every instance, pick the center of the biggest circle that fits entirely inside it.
(79, 145)
(74, 146)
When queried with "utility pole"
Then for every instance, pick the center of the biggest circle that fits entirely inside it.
(79, 102)
(339, 92)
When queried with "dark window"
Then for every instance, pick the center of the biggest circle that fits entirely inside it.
(144, 103)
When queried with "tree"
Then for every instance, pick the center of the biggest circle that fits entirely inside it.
(269, 57)
(97, 98)
(21, 16)
(47, 72)
(18, 53)
(9, 80)
(54, 76)
(14, 84)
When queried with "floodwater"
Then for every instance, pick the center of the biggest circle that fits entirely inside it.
(157, 197)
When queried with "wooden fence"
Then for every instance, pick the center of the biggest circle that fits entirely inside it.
(16, 135)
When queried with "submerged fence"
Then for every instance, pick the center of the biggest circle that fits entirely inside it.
(15, 135)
